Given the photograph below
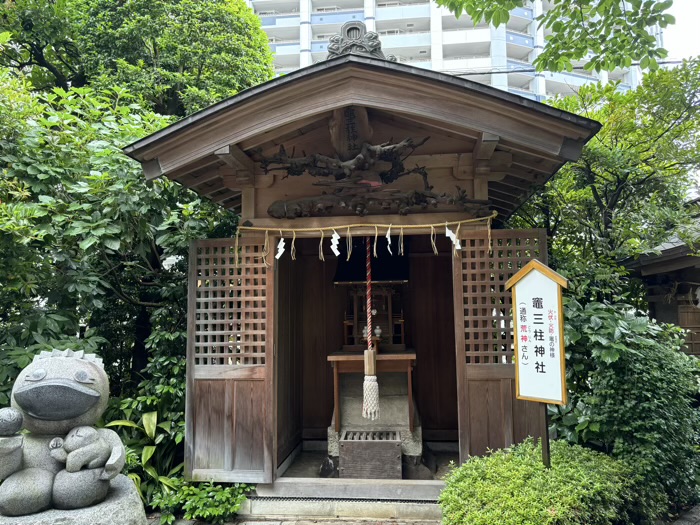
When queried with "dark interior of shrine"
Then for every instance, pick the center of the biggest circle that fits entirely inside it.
(321, 311)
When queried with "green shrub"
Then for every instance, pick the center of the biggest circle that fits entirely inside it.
(631, 396)
(512, 487)
(215, 504)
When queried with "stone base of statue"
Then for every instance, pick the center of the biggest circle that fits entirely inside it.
(123, 506)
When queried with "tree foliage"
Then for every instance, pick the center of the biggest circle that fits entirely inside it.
(627, 192)
(606, 33)
(179, 55)
(43, 43)
(83, 239)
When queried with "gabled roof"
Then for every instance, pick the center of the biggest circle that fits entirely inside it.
(671, 255)
(532, 139)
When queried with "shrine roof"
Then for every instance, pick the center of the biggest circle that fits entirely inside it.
(462, 115)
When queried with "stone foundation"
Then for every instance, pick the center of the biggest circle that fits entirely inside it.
(123, 507)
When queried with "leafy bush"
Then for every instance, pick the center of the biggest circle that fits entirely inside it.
(631, 396)
(152, 426)
(215, 504)
(512, 487)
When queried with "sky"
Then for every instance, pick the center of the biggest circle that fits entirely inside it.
(682, 39)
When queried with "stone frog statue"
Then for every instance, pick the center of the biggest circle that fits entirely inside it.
(62, 461)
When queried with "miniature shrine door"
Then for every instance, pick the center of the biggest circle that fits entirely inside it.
(489, 416)
(229, 416)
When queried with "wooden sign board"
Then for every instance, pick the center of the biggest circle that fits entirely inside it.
(538, 321)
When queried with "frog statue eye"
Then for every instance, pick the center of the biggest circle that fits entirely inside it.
(36, 375)
(81, 376)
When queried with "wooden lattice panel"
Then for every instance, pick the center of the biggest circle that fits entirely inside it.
(230, 304)
(488, 325)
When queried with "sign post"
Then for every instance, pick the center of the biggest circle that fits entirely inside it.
(538, 324)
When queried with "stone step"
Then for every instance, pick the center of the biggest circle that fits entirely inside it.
(333, 521)
(309, 508)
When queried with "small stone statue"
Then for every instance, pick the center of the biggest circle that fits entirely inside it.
(62, 462)
(82, 447)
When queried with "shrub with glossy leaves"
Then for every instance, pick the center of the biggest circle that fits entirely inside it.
(512, 487)
(631, 395)
(216, 504)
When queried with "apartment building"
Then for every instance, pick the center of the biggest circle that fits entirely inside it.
(422, 34)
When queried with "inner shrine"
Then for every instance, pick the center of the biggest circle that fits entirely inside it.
(358, 325)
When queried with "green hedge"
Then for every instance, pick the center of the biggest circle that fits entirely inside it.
(512, 487)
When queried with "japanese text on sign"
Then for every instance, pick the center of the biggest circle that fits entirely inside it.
(539, 349)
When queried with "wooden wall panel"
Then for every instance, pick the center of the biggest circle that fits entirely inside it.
(322, 306)
(289, 357)
(689, 318)
(246, 406)
(496, 418)
(430, 331)
(228, 436)
(209, 445)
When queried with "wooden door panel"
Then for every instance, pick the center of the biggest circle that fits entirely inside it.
(489, 416)
(229, 424)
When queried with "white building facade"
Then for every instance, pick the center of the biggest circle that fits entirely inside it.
(422, 34)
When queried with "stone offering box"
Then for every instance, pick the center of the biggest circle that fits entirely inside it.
(370, 455)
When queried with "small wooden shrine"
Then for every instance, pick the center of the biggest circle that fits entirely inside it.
(358, 154)
(671, 276)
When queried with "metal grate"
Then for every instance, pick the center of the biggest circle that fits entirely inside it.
(488, 321)
(370, 435)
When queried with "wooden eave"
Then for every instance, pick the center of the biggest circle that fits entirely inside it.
(671, 260)
(461, 117)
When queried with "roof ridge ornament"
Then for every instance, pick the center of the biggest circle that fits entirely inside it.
(354, 39)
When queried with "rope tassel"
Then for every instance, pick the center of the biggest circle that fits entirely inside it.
(370, 402)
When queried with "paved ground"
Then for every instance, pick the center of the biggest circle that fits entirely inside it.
(692, 517)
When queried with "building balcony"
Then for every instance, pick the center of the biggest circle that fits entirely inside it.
(522, 12)
(319, 46)
(405, 13)
(280, 20)
(404, 40)
(459, 64)
(526, 93)
(418, 62)
(522, 67)
(520, 39)
(572, 79)
(285, 48)
(337, 17)
(466, 36)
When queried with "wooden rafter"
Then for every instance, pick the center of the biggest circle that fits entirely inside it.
(202, 163)
(195, 180)
(236, 158)
(274, 138)
(485, 146)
